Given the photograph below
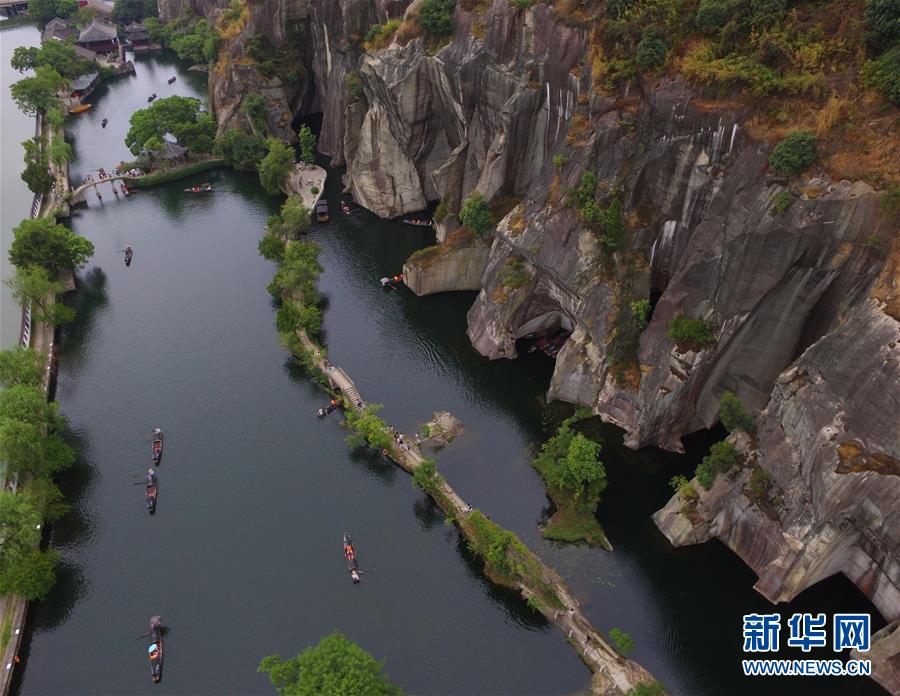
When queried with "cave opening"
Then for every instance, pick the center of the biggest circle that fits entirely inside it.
(546, 333)
(655, 294)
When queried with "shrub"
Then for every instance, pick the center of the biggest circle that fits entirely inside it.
(645, 689)
(623, 642)
(353, 84)
(651, 50)
(618, 7)
(759, 483)
(882, 22)
(254, 105)
(694, 332)
(313, 189)
(436, 16)
(884, 74)
(640, 309)
(559, 160)
(782, 200)
(795, 152)
(476, 215)
(734, 415)
(379, 35)
(722, 456)
(424, 474)
(683, 487)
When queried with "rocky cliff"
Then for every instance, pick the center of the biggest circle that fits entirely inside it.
(794, 279)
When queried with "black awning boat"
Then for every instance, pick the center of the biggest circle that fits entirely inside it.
(350, 556)
(418, 222)
(155, 649)
(171, 80)
(103, 123)
(157, 446)
(129, 252)
(202, 188)
(151, 97)
(151, 492)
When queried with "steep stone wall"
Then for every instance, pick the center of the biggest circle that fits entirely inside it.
(802, 302)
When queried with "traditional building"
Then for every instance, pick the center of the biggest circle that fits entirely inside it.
(137, 36)
(59, 29)
(99, 37)
(84, 85)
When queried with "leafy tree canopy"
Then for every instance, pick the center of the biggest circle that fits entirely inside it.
(734, 415)
(42, 11)
(127, 11)
(794, 153)
(54, 54)
(307, 144)
(476, 215)
(275, 166)
(336, 666)
(20, 366)
(36, 174)
(436, 16)
(181, 117)
(42, 242)
(37, 93)
(243, 151)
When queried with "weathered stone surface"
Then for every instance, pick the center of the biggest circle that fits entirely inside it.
(454, 268)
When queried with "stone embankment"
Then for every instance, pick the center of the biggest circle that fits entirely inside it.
(306, 181)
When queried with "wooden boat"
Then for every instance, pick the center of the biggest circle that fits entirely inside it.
(347, 209)
(81, 108)
(202, 188)
(151, 97)
(322, 412)
(125, 189)
(418, 222)
(157, 447)
(129, 253)
(350, 557)
(103, 123)
(171, 80)
(155, 649)
(322, 211)
(151, 492)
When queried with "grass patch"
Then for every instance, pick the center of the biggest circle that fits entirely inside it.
(174, 174)
(6, 631)
(571, 525)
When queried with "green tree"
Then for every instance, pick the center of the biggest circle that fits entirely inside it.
(20, 366)
(55, 54)
(61, 152)
(26, 447)
(883, 74)
(298, 274)
(722, 456)
(795, 152)
(30, 574)
(559, 160)
(645, 689)
(42, 11)
(652, 49)
(336, 666)
(882, 23)
(179, 116)
(28, 403)
(294, 217)
(127, 11)
(694, 332)
(476, 215)
(425, 474)
(624, 643)
(367, 428)
(271, 247)
(436, 16)
(734, 415)
(32, 286)
(41, 242)
(38, 93)
(243, 151)
(275, 166)
(307, 144)
(36, 174)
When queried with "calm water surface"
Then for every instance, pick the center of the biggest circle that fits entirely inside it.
(243, 558)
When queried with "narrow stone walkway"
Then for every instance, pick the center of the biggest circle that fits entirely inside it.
(612, 673)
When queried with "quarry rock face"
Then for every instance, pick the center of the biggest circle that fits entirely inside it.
(800, 298)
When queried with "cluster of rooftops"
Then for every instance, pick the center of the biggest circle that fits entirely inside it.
(95, 37)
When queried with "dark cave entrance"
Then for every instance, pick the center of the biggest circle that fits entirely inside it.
(546, 333)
